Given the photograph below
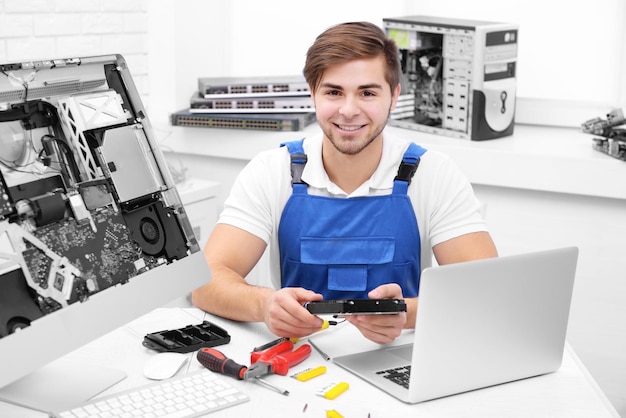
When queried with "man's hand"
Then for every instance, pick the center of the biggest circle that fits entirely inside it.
(286, 316)
(381, 329)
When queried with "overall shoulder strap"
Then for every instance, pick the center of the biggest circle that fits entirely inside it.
(408, 167)
(298, 161)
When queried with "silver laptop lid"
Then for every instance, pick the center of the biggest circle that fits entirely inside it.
(491, 321)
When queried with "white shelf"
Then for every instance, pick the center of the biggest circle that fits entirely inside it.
(541, 158)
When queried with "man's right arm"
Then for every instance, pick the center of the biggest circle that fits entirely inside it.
(231, 254)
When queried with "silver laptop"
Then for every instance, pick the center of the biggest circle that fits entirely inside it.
(479, 323)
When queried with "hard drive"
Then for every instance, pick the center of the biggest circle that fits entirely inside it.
(357, 307)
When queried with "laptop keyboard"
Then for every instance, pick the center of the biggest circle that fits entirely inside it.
(399, 375)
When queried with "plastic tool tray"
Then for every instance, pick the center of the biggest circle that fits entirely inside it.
(187, 339)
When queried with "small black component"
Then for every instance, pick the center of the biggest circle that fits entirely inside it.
(18, 305)
(35, 188)
(356, 306)
(407, 170)
(155, 228)
(10, 67)
(48, 208)
(187, 339)
(6, 204)
(34, 114)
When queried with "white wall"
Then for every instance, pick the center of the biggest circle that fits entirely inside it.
(571, 58)
(37, 29)
(567, 50)
(239, 38)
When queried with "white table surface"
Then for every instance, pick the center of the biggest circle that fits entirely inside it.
(569, 393)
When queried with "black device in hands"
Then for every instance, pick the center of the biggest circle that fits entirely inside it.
(356, 307)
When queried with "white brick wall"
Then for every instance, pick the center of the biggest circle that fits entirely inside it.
(38, 29)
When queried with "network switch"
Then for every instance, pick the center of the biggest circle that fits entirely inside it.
(265, 122)
(275, 104)
(227, 87)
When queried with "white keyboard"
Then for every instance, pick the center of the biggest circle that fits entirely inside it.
(185, 396)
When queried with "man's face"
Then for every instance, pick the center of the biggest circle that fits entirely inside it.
(352, 103)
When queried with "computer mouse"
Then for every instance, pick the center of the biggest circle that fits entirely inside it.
(164, 365)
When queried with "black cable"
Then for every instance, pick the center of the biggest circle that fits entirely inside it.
(70, 163)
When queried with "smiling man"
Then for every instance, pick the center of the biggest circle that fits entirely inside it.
(350, 213)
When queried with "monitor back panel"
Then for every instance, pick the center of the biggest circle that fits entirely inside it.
(86, 200)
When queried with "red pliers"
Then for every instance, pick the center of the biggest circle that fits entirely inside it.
(276, 359)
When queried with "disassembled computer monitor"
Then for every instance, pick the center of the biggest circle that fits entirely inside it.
(92, 229)
(458, 76)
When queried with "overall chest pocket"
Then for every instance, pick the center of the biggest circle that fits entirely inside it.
(348, 260)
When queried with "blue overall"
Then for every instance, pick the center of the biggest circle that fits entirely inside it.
(343, 248)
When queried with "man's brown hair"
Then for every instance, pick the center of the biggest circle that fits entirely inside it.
(350, 41)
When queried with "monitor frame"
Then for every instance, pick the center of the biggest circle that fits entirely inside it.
(174, 272)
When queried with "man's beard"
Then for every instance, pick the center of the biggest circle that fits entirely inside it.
(354, 151)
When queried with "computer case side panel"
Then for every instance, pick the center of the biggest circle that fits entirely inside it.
(461, 74)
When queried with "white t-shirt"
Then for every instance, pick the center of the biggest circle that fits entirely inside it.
(442, 197)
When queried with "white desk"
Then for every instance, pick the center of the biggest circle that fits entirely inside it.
(568, 393)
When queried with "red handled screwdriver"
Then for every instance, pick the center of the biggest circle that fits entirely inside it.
(216, 361)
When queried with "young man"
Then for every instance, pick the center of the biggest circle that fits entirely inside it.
(344, 228)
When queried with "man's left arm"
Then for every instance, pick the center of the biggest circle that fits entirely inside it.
(383, 329)
(472, 246)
